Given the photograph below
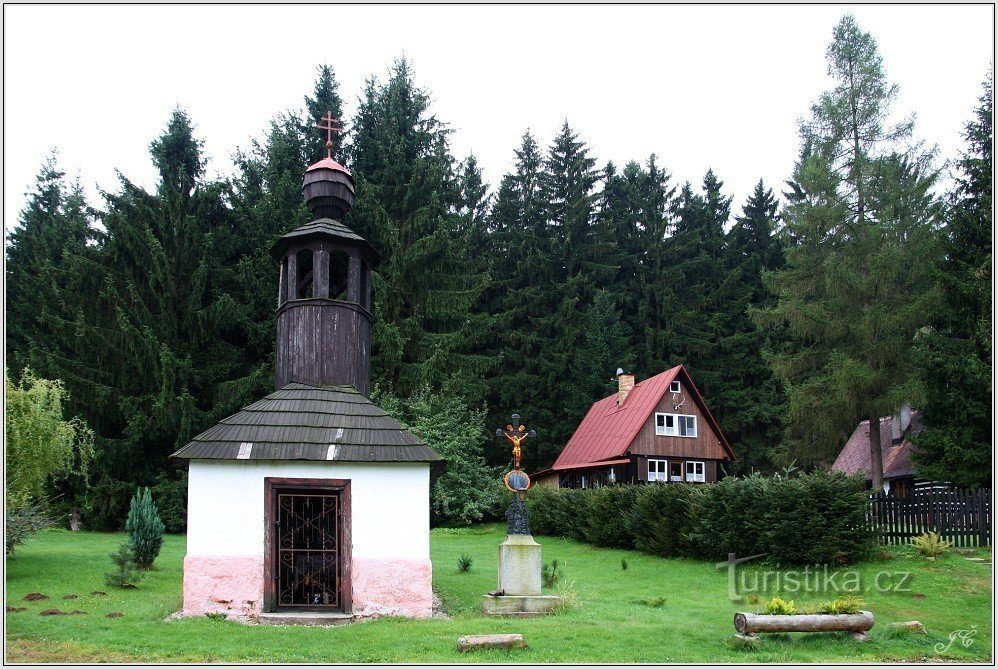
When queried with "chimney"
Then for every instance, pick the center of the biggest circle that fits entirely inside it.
(625, 382)
(905, 417)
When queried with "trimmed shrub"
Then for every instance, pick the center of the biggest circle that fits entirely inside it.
(729, 517)
(555, 512)
(661, 519)
(145, 529)
(816, 518)
(604, 514)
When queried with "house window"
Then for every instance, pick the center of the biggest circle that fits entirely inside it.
(676, 471)
(612, 476)
(656, 470)
(694, 472)
(674, 387)
(675, 425)
(583, 480)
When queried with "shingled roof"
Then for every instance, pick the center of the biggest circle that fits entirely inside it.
(323, 227)
(855, 455)
(608, 428)
(303, 422)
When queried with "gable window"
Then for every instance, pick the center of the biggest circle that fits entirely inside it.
(675, 387)
(656, 470)
(675, 425)
(695, 472)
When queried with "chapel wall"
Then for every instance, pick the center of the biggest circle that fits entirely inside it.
(388, 500)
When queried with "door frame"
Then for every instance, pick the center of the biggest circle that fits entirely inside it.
(271, 485)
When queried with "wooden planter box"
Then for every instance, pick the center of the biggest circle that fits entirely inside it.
(750, 624)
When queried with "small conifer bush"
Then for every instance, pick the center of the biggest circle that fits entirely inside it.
(145, 529)
(126, 575)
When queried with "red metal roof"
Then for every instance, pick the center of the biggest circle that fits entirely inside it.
(855, 455)
(328, 163)
(608, 429)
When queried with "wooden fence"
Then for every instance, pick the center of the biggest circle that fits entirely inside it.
(961, 515)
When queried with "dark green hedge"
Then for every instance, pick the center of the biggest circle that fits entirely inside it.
(814, 518)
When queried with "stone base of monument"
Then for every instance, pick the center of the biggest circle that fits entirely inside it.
(519, 580)
(520, 605)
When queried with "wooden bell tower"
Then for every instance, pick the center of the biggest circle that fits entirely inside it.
(324, 295)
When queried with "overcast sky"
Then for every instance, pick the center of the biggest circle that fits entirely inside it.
(703, 86)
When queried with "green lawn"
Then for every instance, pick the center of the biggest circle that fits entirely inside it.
(656, 610)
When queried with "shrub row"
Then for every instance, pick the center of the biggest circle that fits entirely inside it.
(815, 518)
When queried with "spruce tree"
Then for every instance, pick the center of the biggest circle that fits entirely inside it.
(855, 288)
(409, 204)
(44, 276)
(166, 335)
(955, 351)
(520, 249)
(750, 398)
(145, 529)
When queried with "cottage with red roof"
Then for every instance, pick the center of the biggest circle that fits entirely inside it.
(659, 430)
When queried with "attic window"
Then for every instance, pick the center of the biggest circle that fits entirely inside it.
(675, 425)
(675, 387)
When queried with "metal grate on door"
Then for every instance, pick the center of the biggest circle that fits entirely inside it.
(308, 564)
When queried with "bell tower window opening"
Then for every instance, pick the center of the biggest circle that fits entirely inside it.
(339, 274)
(303, 290)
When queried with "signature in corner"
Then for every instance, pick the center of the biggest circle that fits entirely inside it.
(966, 638)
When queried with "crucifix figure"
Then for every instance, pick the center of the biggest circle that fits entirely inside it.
(332, 125)
(516, 436)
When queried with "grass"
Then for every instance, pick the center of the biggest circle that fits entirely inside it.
(655, 611)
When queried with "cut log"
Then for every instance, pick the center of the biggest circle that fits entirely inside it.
(750, 623)
(486, 641)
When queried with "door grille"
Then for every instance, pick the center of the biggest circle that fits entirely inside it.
(308, 564)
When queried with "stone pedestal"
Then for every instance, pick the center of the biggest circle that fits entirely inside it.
(519, 581)
(520, 565)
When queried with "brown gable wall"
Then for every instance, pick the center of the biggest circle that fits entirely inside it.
(706, 445)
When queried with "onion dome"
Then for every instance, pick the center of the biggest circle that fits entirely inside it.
(328, 189)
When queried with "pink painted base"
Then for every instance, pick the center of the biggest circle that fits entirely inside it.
(392, 587)
(231, 585)
(381, 586)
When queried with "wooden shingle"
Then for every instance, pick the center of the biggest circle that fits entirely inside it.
(303, 422)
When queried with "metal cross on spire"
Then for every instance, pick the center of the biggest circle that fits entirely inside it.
(331, 126)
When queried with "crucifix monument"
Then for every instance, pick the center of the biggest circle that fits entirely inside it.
(519, 592)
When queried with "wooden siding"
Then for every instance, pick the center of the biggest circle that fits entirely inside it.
(705, 446)
(323, 342)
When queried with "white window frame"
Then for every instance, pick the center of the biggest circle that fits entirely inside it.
(696, 476)
(682, 468)
(663, 475)
(612, 476)
(667, 430)
(675, 387)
